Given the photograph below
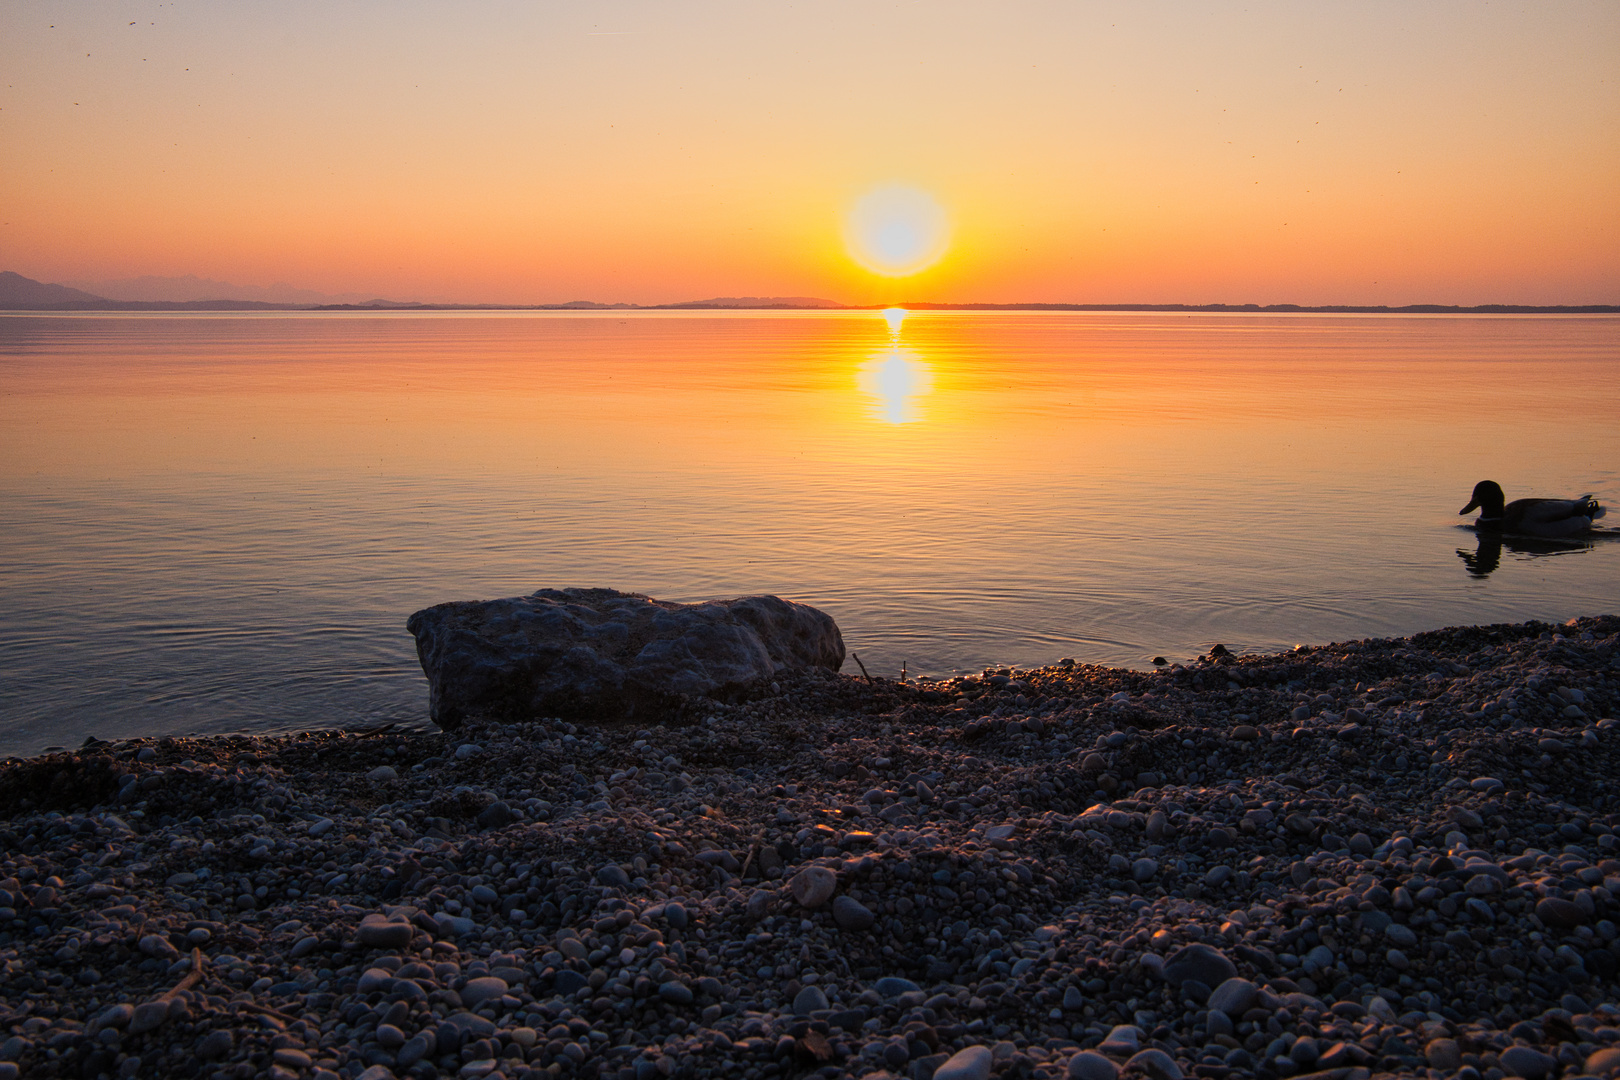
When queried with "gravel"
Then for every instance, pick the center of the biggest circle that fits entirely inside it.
(1376, 857)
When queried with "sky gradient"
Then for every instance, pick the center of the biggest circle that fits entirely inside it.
(656, 152)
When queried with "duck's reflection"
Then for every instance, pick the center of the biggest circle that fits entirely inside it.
(1487, 556)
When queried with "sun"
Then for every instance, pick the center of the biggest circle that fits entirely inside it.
(897, 230)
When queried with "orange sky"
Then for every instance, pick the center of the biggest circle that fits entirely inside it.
(660, 151)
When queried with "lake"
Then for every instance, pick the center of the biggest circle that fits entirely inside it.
(220, 522)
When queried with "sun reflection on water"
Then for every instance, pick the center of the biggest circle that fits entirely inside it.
(896, 379)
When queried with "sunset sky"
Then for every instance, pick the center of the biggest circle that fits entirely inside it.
(661, 151)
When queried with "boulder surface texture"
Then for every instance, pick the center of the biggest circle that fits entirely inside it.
(601, 654)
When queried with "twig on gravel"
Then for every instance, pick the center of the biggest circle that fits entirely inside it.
(265, 1010)
(193, 977)
(857, 658)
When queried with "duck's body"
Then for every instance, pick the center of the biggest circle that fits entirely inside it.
(1531, 517)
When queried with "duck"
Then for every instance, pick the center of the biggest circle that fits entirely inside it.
(1531, 517)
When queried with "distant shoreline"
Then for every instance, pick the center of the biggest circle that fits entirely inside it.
(89, 307)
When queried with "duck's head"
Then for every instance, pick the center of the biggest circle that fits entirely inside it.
(1487, 498)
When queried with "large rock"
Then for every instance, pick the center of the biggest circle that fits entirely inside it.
(600, 654)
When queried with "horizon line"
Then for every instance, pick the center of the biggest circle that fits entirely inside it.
(380, 306)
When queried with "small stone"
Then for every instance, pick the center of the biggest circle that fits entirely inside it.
(497, 815)
(1602, 1062)
(813, 886)
(1234, 996)
(1559, 913)
(414, 1049)
(676, 993)
(1144, 869)
(216, 1044)
(116, 1016)
(486, 988)
(389, 1037)
(1156, 1063)
(1526, 1062)
(613, 876)
(892, 986)
(1090, 1065)
(1400, 935)
(376, 980)
(1443, 1054)
(381, 773)
(377, 1072)
(148, 1016)
(809, 1000)
(675, 914)
(384, 934)
(1073, 999)
(321, 827)
(851, 914)
(1123, 1040)
(972, 1063)
(290, 1057)
(1198, 961)
(158, 946)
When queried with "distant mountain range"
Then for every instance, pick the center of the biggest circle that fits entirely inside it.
(18, 293)
(192, 293)
(190, 288)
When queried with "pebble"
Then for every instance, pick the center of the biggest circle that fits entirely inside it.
(809, 1000)
(217, 1043)
(1201, 962)
(1443, 1054)
(148, 1016)
(813, 886)
(972, 1063)
(675, 993)
(891, 986)
(1526, 1062)
(384, 934)
(1234, 996)
(486, 988)
(1156, 1064)
(1122, 1040)
(1089, 1065)
(1603, 1062)
(851, 914)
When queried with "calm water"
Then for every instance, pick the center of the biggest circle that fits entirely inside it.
(219, 523)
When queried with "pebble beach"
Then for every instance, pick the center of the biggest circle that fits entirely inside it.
(1380, 857)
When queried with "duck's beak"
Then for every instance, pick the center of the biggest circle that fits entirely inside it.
(1471, 506)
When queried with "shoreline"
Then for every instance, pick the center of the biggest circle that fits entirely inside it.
(1403, 851)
